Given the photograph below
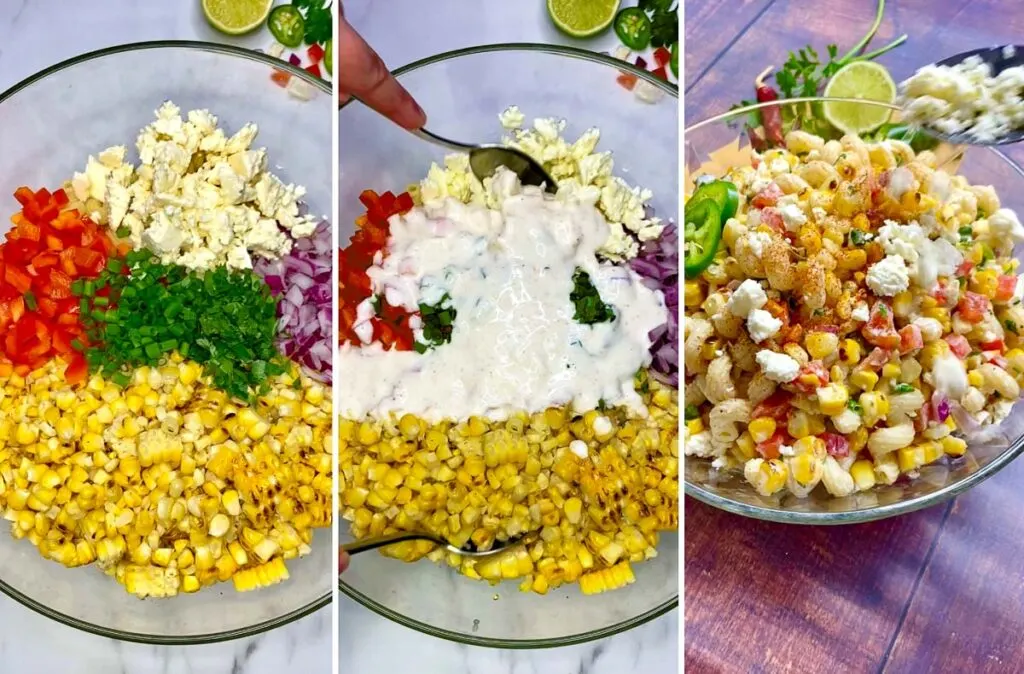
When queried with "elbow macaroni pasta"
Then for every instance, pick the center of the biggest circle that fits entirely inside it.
(874, 370)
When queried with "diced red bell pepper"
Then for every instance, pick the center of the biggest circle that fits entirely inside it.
(973, 307)
(836, 445)
(910, 339)
(880, 330)
(661, 73)
(313, 70)
(959, 345)
(315, 53)
(1005, 287)
(662, 56)
(776, 406)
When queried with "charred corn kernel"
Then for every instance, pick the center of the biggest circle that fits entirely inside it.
(891, 371)
(604, 580)
(954, 446)
(864, 379)
(799, 424)
(849, 352)
(745, 446)
(693, 294)
(832, 398)
(271, 573)
(975, 378)
(761, 429)
(984, 282)
(694, 426)
(875, 406)
(903, 303)
(821, 344)
(863, 474)
(767, 477)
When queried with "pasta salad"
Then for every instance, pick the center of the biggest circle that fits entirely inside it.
(854, 319)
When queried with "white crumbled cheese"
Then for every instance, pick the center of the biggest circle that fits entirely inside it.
(931, 328)
(582, 174)
(762, 325)
(846, 421)
(926, 259)
(778, 166)
(888, 276)
(1005, 224)
(579, 448)
(965, 98)
(197, 198)
(949, 376)
(758, 241)
(747, 297)
(786, 450)
(602, 425)
(793, 216)
(901, 180)
(696, 445)
(512, 118)
(861, 312)
(777, 366)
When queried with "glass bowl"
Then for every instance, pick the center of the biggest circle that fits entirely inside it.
(463, 92)
(720, 143)
(49, 125)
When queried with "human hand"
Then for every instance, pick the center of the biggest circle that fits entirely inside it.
(362, 74)
(343, 559)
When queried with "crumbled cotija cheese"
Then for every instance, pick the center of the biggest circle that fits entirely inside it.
(966, 98)
(198, 198)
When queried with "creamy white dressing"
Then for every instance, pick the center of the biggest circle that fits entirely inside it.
(515, 346)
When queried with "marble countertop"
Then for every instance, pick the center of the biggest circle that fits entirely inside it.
(32, 37)
(652, 648)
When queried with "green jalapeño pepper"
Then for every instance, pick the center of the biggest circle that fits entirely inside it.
(723, 193)
(701, 235)
(633, 28)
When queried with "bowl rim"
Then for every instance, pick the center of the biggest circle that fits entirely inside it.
(17, 595)
(462, 637)
(866, 514)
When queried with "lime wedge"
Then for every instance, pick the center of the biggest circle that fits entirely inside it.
(236, 17)
(582, 18)
(865, 80)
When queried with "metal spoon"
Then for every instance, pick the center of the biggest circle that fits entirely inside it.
(997, 60)
(397, 537)
(485, 160)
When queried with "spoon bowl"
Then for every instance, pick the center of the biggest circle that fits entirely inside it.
(485, 160)
(998, 59)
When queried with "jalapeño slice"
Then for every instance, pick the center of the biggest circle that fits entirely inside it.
(702, 234)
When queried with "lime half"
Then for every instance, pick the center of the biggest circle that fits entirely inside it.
(865, 80)
(582, 18)
(236, 17)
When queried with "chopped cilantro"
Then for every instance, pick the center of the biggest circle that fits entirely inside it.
(437, 323)
(590, 308)
(854, 406)
(857, 237)
(902, 388)
(1011, 326)
(691, 412)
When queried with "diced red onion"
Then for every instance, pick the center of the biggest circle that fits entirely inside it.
(301, 281)
(940, 406)
(658, 264)
(294, 59)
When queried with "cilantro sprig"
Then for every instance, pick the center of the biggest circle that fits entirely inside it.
(590, 308)
(319, 20)
(438, 322)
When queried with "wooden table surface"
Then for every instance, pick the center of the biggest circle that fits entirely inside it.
(940, 590)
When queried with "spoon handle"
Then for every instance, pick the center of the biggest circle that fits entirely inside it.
(442, 141)
(380, 541)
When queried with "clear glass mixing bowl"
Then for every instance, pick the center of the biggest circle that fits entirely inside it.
(463, 92)
(720, 143)
(49, 125)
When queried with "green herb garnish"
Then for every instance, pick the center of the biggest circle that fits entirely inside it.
(437, 323)
(902, 388)
(319, 20)
(857, 237)
(691, 412)
(854, 406)
(590, 308)
(1011, 326)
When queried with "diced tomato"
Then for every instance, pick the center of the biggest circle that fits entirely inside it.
(626, 81)
(910, 339)
(661, 73)
(997, 345)
(972, 307)
(776, 406)
(959, 345)
(769, 196)
(876, 359)
(313, 70)
(770, 448)
(315, 53)
(662, 56)
(280, 77)
(772, 218)
(964, 269)
(880, 330)
(1005, 287)
(818, 370)
(836, 445)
